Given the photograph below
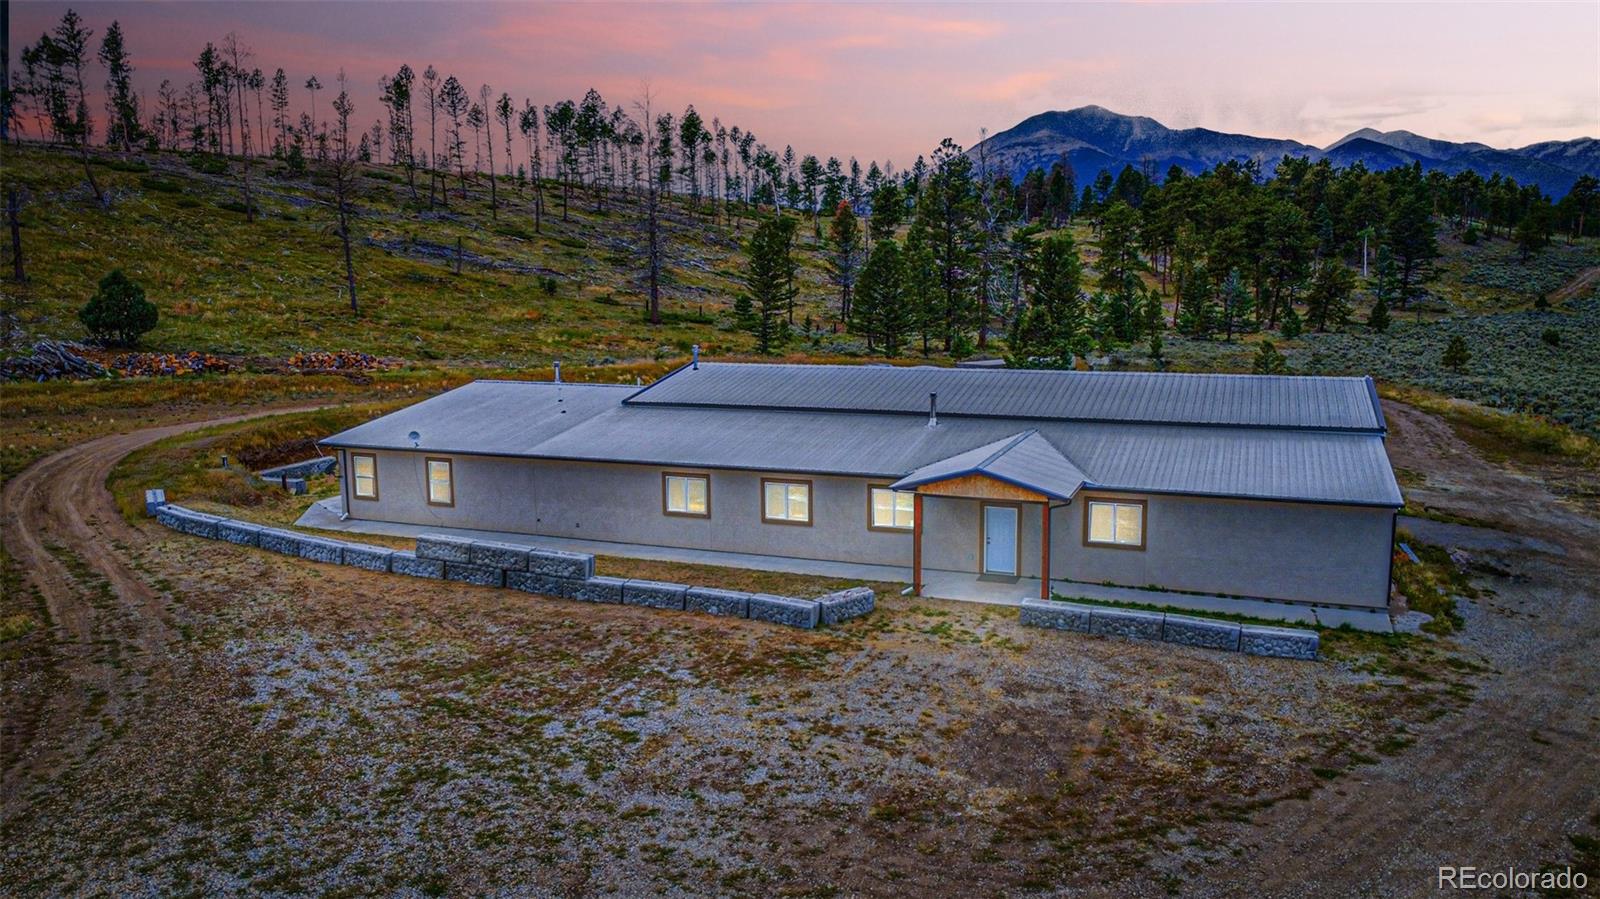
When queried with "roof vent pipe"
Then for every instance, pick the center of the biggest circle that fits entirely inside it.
(933, 409)
(695, 362)
(558, 372)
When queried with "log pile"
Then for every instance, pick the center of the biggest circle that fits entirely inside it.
(340, 360)
(153, 364)
(52, 359)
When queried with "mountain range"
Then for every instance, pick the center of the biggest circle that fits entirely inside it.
(1092, 138)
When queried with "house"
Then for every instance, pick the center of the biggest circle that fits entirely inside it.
(1240, 485)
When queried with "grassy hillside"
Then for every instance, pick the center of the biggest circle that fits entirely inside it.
(259, 291)
(269, 288)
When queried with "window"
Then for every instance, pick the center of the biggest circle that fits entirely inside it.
(686, 494)
(441, 488)
(1119, 524)
(890, 509)
(785, 502)
(364, 475)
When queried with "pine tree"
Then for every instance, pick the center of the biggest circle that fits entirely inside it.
(1378, 317)
(1328, 302)
(122, 104)
(768, 277)
(844, 256)
(1290, 324)
(1268, 361)
(1238, 310)
(1456, 356)
(880, 299)
(1412, 241)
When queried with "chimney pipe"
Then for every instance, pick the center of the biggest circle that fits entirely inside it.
(695, 363)
(933, 409)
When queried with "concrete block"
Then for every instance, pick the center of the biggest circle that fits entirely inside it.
(154, 499)
(279, 541)
(713, 601)
(1061, 616)
(240, 532)
(598, 589)
(785, 610)
(481, 575)
(372, 558)
(167, 515)
(407, 563)
(542, 584)
(1125, 623)
(842, 605)
(444, 548)
(316, 549)
(654, 594)
(507, 556)
(1208, 633)
(560, 563)
(1282, 642)
(187, 521)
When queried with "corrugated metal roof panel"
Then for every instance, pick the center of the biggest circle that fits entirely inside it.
(1152, 397)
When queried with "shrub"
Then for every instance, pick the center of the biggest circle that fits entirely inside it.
(118, 312)
(549, 285)
(1551, 336)
(160, 185)
(1378, 318)
(236, 206)
(1470, 236)
(1269, 361)
(208, 165)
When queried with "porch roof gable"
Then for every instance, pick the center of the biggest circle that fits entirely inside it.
(1025, 460)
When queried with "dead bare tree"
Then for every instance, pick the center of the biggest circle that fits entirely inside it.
(344, 167)
(237, 57)
(652, 201)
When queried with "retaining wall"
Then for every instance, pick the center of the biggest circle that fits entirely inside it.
(1185, 630)
(530, 569)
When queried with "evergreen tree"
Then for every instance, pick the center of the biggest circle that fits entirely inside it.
(1328, 302)
(921, 274)
(122, 104)
(1199, 315)
(1533, 231)
(1412, 240)
(1290, 324)
(1456, 356)
(1378, 317)
(881, 310)
(1268, 361)
(845, 254)
(118, 312)
(763, 307)
(1238, 310)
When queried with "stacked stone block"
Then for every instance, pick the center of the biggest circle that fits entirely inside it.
(1185, 630)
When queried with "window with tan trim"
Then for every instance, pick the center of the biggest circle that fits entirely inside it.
(686, 494)
(441, 484)
(890, 510)
(785, 502)
(364, 475)
(1114, 523)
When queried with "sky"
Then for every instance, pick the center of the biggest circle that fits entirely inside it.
(887, 81)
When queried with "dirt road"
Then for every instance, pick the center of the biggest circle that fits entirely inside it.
(111, 628)
(1504, 783)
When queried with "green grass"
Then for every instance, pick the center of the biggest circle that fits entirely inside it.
(1431, 584)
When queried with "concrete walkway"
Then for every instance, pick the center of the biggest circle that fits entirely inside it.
(936, 584)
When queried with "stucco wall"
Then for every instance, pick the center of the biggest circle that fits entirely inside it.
(1296, 551)
(1293, 551)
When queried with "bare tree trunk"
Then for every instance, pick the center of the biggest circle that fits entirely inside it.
(344, 235)
(13, 211)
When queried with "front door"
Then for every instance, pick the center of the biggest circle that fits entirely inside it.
(1000, 540)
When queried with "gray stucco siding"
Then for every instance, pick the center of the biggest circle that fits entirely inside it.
(1304, 552)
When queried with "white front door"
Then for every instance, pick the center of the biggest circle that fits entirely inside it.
(1000, 540)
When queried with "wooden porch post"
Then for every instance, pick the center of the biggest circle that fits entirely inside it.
(1044, 552)
(916, 545)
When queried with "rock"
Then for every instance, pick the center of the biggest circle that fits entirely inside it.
(1061, 616)
(598, 589)
(1204, 632)
(444, 548)
(1125, 623)
(843, 605)
(560, 563)
(319, 550)
(653, 594)
(474, 574)
(407, 563)
(372, 558)
(715, 601)
(1280, 642)
(785, 610)
(279, 541)
(240, 532)
(508, 556)
(542, 584)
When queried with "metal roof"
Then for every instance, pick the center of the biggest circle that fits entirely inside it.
(521, 418)
(1026, 460)
(496, 417)
(1284, 401)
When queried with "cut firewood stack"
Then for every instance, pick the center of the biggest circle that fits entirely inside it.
(52, 359)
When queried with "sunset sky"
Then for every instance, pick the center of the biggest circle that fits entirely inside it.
(888, 81)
